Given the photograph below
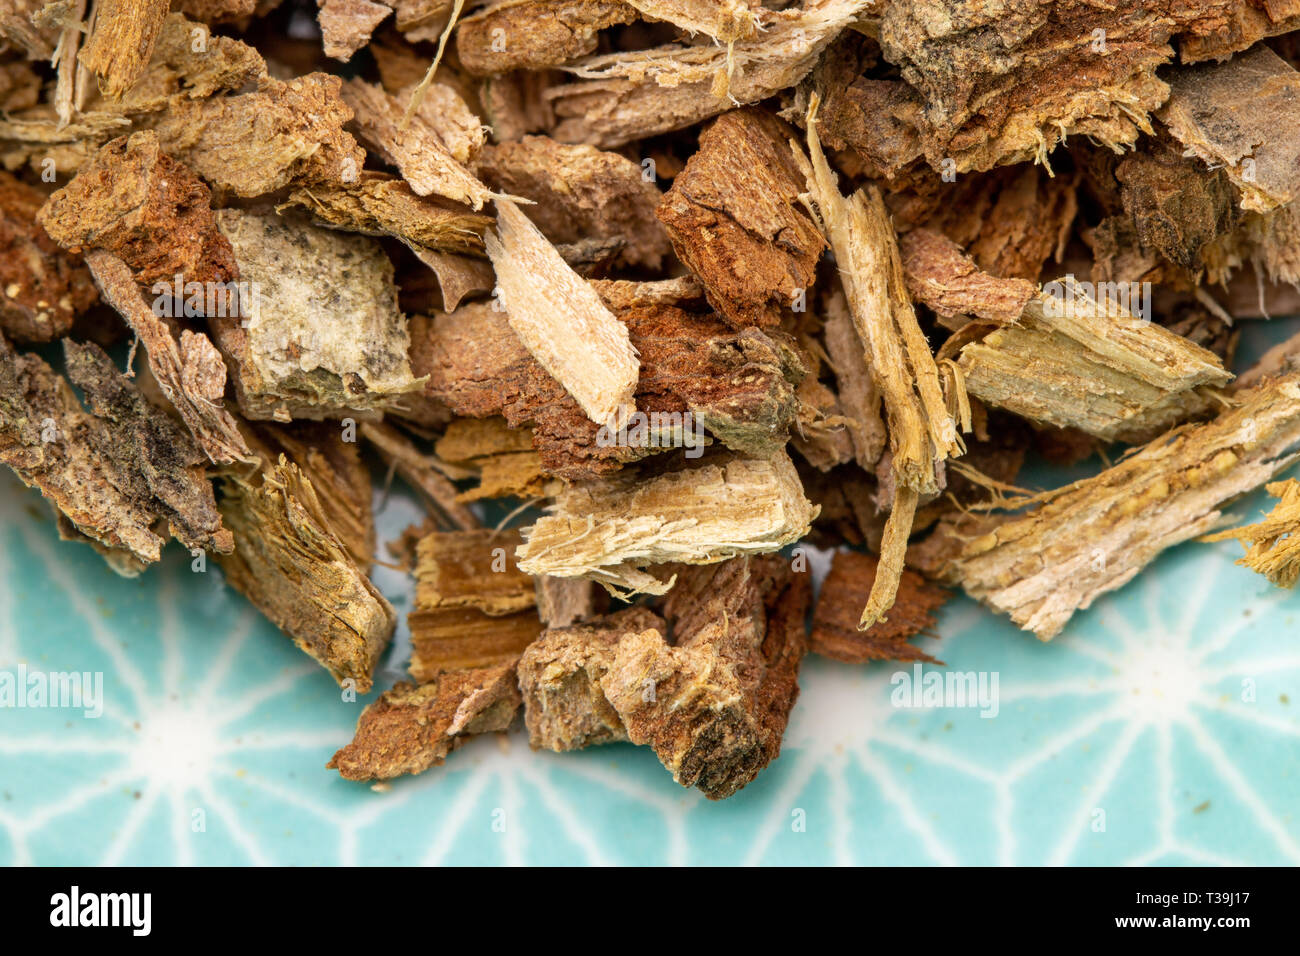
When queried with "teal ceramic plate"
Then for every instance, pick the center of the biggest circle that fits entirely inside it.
(1163, 728)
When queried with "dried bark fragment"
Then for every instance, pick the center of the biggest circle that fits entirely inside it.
(1004, 85)
(720, 697)
(503, 458)
(1093, 536)
(1010, 221)
(292, 564)
(877, 119)
(940, 275)
(737, 385)
(1272, 545)
(191, 373)
(859, 398)
(471, 569)
(18, 28)
(473, 606)
(122, 41)
(615, 104)
(412, 728)
(622, 295)
(42, 288)
(516, 104)
(338, 474)
(287, 364)
(532, 34)
(445, 639)
(1243, 116)
(922, 431)
(255, 143)
(723, 20)
(416, 149)
(560, 676)
(114, 473)
(580, 192)
(379, 205)
(611, 531)
(224, 11)
(562, 602)
(1074, 361)
(145, 208)
(1175, 205)
(183, 67)
(421, 473)
(733, 218)
(346, 25)
(835, 631)
(561, 321)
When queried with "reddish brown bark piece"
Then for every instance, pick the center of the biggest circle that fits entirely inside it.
(412, 728)
(733, 216)
(835, 631)
(739, 385)
(940, 275)
(150, 211)
(531, 34)
(42, 288)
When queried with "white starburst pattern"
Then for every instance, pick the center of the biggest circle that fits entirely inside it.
(1139, 710)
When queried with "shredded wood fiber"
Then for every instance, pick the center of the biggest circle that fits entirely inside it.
(641, 300)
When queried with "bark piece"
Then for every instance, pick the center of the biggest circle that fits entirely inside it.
(561, 321)
(42, 288)
(714, 705)
(122, 41)
(379, 205)
(190, 373)
(287, 363)
(1093, 536)
(145, 208)
(560, 675)
(734, 219)
(346, 25)
(622, 295)
(835, 631)
(940, 275)
(473, 606)
(562, 602)
(1074, 361)
(737, 385)
(580, 192)
(295, 567)
(612, 531)
(114, 472)
(615, 104)
(1003, 85)
(416, 149)
(1243, 116)
(472, 569)
(859, 399)
(502, 457)
(1273, 544)
(533, 34)
(922, 431)
(412, 728)
(255, 143)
